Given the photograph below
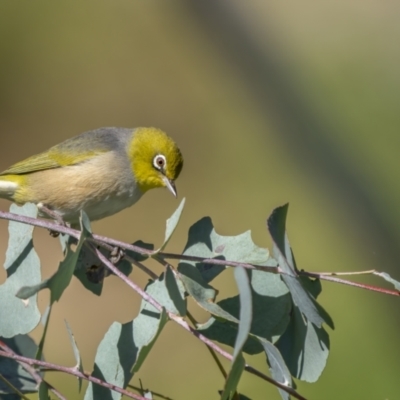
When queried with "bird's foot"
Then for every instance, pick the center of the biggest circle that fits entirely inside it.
(52, 214)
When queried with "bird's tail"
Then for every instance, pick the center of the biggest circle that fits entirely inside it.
(8, 187)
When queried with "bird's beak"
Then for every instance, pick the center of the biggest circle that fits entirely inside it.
(170, 184)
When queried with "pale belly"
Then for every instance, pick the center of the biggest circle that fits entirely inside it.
(98, 210)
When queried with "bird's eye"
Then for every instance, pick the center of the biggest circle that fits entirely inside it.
(159, 162)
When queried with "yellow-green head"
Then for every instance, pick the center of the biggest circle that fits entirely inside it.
(156, 159)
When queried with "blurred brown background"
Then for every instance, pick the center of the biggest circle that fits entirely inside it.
(270, 102)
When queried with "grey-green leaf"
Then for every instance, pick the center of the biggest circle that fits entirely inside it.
(125, 346)
(272, 305)
(283, 254)
(23, 267)
(44, 391)
(202, 292)
(246, 309)
(277, 366)
(172, 222)
(304, 347)
(60, 280)
(175, 292)
(237, 368)
(13, 371)
(233, 377)
(77, 354)
(205, 242)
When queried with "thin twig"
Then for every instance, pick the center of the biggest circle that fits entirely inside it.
(117, 243)
(369, 272)
(350, 283)
(71, 371)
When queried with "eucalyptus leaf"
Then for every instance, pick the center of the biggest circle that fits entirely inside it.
(60, 280)
(45, 321)
(125, 346)
(246, 309)
(233, 377)
(44, 391)
(304, 347)
(22, 265)
(77, 354)
(175, 292)
(237, 368)
(172, 222)
(271, 304)
(13, 371)
(284, 256)
(202, 292)
(204, 242)
(277, 366)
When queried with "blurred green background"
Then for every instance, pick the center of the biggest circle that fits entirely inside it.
(270, 102)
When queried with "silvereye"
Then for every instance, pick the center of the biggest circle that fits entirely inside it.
(101, 172)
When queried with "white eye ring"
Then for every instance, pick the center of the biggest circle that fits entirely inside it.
(159, 162)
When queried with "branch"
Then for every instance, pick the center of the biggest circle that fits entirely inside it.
(350, 283)
(72, 371)
(99, 239)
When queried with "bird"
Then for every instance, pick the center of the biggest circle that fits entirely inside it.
(101, 172)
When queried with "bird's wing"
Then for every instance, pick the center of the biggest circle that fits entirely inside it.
(73, 151)
(37, 162)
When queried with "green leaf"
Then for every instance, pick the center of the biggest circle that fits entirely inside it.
(271, 303)
(204, 242)
(77, 355)
(175, 292)
(60, 280)
(283, 254)
(233, 377)
(277, 366)
(388, 278)
(202, 292)
(172, 222)
(304, 347)
(314, 287)
(114, 358)
(13, 371)
(23, 267)
(246, 309)
(125, 346)
(237, 368)
(45, 321)
(44, 391)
